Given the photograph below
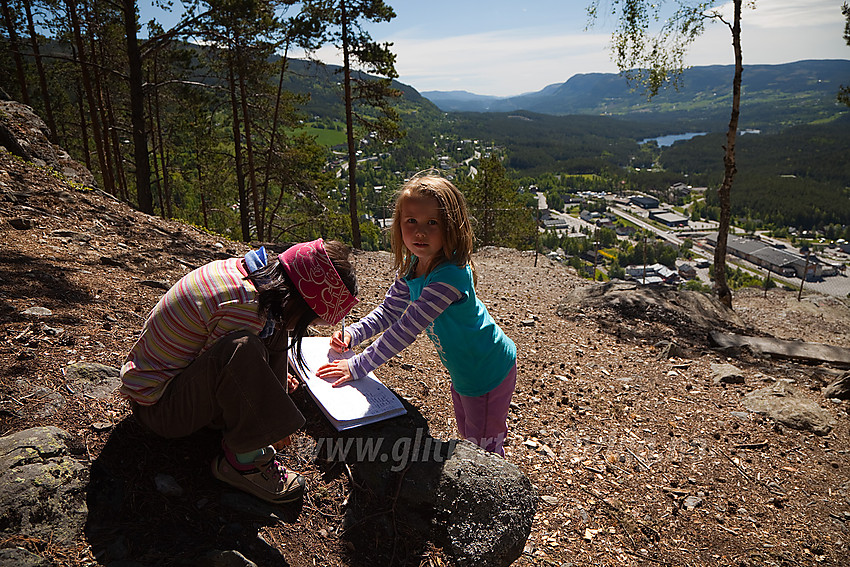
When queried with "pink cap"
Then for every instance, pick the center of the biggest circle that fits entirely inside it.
(311, 270)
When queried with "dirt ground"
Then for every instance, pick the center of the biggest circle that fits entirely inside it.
(638, 459)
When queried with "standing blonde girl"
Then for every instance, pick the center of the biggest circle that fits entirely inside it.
(435, 292)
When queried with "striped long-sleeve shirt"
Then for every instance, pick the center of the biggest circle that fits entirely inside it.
(400, 320)
(443, 304)
(197, 311)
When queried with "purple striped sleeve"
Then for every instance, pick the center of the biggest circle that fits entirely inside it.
(380, 319)
(435, 298)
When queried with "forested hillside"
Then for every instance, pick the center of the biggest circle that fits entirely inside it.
(798, 178)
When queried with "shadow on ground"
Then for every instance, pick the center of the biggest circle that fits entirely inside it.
(153, 501)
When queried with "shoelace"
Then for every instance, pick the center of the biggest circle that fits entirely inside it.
(275, 466)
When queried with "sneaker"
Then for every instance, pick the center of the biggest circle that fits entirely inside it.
(265, 478)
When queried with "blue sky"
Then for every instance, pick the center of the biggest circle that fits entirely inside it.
(509, 47)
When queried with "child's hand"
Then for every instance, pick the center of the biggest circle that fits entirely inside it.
(291, 383)
(340, 341)
(336, 369)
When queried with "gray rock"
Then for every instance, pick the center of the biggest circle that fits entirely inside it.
(244, 503)
(167, 485)
(156, 284)
(93, 380)
(726, 374)
(692, 502)
(17, 557)
(228, 558)
(18, 119)
(42, 487)
(20, 223)
(475, 505)
(687, 311)
(669, 349)
(790, 408)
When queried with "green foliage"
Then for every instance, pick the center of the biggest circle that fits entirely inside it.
(738, 278)
(567, 144)
(697, 285)
(795, 178)
(498, 215)
(649, 252)
(615, 271)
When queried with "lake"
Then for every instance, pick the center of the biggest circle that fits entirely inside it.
(670, 139)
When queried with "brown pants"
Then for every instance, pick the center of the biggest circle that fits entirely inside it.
(239, 386)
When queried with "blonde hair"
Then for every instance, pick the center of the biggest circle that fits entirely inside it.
(454, 217)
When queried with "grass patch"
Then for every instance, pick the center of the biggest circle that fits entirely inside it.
(324, 136)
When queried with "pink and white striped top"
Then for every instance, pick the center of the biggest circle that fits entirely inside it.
(202, 307)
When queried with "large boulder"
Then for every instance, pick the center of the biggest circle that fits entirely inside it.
(616, 302)
(485, 507)
(413, 488)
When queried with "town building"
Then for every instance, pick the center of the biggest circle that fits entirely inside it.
(777, 260)
(645, 201)
(652, 274)
(667, 217)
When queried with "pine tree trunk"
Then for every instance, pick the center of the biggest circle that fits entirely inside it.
(237, 150)
(108, 171)
(137, 110)
(16, 52)
(249, 150)
(88, 90)
(156, 179)
(84, 130)
(272, 141)
(165, 179)
(730, 169)
(349, 131)
(121, 178)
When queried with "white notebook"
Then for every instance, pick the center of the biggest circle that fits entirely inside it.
(354, 403)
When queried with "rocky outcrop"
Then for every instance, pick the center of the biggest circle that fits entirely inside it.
(691, 314)
(25, 135)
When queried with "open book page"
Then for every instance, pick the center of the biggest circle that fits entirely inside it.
(354, 403)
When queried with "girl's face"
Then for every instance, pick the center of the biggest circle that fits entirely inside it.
(422, 229)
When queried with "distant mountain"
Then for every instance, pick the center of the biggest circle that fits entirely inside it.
(321, 82)
(809, 87)
(460, 101)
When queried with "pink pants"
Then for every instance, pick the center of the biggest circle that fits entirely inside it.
(484, 419)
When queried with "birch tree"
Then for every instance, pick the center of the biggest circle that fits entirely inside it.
(649, 49)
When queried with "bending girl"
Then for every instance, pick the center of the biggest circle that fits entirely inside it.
(435, 292)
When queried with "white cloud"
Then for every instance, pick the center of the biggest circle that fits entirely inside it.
(779, 14)
(501, 64)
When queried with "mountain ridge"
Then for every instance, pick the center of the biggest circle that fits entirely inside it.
(704, 89)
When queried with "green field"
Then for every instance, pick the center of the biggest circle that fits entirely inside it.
(324, 136)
